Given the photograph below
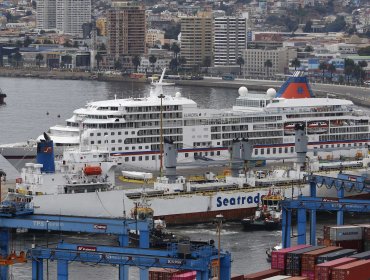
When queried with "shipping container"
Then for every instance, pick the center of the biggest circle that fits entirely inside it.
(359, 270)
(162, 274)
(336, 255)
(344, 233)
(365, 230)
(323, 271)
(278, 258)
(349, 244)
(309, 259)
(278, 277)
(297, 278)
(293, 260)
(362, 256)
(326, 231)
(190, 275)
(262, 274)
(237, 277)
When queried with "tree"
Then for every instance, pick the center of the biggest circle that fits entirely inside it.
(268, 65)
(337, 25)
(152, 61)
(349, 65)
(358, 72)
(17, 58)
(240, 61)
(174, 64)
(308, 27)
(296, 63)
(98, 58)
(362, 63)
(182, 60)
(117, 65)
(39, 58)
(207, 62)
(323, 66)
(308, 49)
(175, 49)
(331, 69)
(136, 61)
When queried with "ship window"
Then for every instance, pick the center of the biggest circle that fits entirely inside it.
(126, 148)
(286, 150)
(262, 151)
(133, 158)
(212, 153)
(91, 134)
(332, 145)
(355, 144)
(321, 146)
(126, 158)
(126, 132)
(344, 145)
(349, 145)
(98, 134)
(99, 141)
(133, 148)
(218, 153)
(113, 141)
(292, 149)
(119, 133)
(119, 140)
(112, 133)
(186, 154)
(113, 149)
(146, 147)
(268, 151)
(105, 133)
(338, 145)
(274, 150)
(256, 151)
(92, 142)
(218, 143)
(119, 148)
(280, 150)
(140, 158)
(132, 132)
(140, 147)
(153, 157)
(146, 157)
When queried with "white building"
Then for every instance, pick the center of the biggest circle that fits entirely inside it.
(65, 15)
(46, 14)
(230, 39)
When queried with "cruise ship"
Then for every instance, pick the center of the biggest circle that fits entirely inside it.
(131, 129)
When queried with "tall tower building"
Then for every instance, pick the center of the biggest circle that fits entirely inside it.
(46, 14)
(230, 39)
(71, 14)
(196, 39)
(64, 15)
(126, 29)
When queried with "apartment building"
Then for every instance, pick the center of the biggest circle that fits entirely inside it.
(126, 29)
(46, 14)
(196, 39)
(230, 39)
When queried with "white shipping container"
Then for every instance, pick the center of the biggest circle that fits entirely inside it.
(343, 233)
(278, 277)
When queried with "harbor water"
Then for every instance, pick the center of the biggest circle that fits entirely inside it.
(33, 105)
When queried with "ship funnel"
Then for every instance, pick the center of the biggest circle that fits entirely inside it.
(45, 155)
(170, 158)
(301, 142)
(295, 87)
(236, 163)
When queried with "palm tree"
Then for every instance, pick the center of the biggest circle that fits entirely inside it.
(182, 60)
(98, 58)
(117, 65)
(296, 63)
(17, 58)
(152, 61)
(39, 58)
(240, 62)
(176, 49)
(268, 64)
(362, 64)
(349, 65)
(323, 66)
(174, 64)
(207, 62)
(136, 61)
(331, 69)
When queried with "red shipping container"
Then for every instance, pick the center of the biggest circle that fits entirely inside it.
(237, 277)
(190, 275)
(349, 244)
(309, 259)
(162, 274)
(310, 274)
(278, 258)
(323, 271)
(262, 274)
(296, 278)
(359, 270)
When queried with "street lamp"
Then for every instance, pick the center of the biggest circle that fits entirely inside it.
(219, 219)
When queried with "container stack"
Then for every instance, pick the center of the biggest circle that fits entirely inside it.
(294, 260)
(309, 261)
(362, 256)
(358, 270)
(262, 274)
(278, 258)
(324, 270)
(347, 237)
(335, 255)
(171, 274)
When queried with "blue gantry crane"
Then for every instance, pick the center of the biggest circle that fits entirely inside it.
(343, 182)
(184, 256)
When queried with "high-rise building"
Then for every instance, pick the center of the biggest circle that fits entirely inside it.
(230, 39)
(67, 16)
(46, 14)
(72, 14)
(196, 39)
(126, 29)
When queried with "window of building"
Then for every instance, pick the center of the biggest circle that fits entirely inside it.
(133, 158)
(92, 142)
(126, 159)
(186, 154)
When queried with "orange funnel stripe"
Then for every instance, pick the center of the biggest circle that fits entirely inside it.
(295, 87)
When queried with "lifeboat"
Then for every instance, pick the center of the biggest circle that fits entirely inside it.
(317, 127)
(92, 170)
(289, 129)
